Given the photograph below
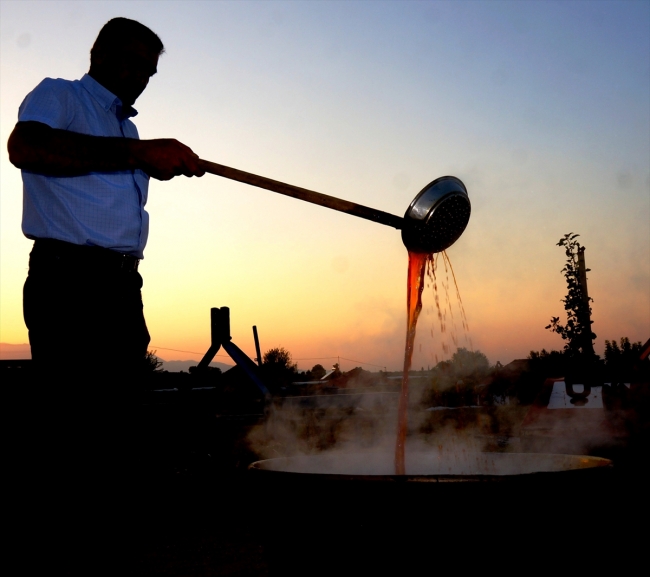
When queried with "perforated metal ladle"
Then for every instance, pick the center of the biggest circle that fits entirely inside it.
(433, 222)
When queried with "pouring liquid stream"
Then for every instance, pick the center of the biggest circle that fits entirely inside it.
(423, 266)
(443, 310)
(415, 285)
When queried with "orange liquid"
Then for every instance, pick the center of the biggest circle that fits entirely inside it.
(447, 330)
(422, 266)
(415, 284)
(460, 301)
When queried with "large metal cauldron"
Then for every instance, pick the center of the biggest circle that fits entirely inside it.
(328, 514)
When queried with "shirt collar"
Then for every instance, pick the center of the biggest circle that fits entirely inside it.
(106, 98)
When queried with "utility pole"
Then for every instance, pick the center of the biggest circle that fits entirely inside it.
(585, 321)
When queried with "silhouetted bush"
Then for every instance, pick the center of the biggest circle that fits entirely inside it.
(622, 363)
(278, 369)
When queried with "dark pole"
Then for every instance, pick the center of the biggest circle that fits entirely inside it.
(588, 345)
(257, 346)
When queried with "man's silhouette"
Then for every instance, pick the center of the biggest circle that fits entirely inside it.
(86, 176)
(85, 183)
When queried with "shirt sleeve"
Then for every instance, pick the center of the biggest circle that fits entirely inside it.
(51, 103)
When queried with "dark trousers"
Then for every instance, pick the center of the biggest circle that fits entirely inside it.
(83, 310)
(77, 434)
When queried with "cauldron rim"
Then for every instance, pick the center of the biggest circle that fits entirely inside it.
(593, 465)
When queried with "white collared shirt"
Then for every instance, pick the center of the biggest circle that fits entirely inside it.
(96, 209)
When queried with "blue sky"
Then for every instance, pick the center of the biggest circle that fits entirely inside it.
(541, 108)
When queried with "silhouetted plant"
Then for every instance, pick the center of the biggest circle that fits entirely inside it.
(278, 366)
(454, 382)
(318, 372)
(577, 330)
(548, 363)
(470, 365)
(620, 361)
(151, 363)
(279, 357)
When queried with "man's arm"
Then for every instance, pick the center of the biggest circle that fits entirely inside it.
(36, 147)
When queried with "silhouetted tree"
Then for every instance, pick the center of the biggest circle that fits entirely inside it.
(577, 330)
(279, 357)
(621, 361)
(278, 367)
(454, 381)
(547, 364)
(469, 364)
(318, 372)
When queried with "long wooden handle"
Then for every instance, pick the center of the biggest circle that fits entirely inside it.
(303, 194)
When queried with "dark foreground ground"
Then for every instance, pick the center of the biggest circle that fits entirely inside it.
(161, 487)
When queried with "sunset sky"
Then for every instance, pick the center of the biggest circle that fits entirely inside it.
(541, 108)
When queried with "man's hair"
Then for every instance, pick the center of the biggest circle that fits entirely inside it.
(118, 33)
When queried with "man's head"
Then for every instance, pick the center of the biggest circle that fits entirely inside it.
(124, 57)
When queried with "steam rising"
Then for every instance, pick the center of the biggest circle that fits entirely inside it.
(353, 433)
